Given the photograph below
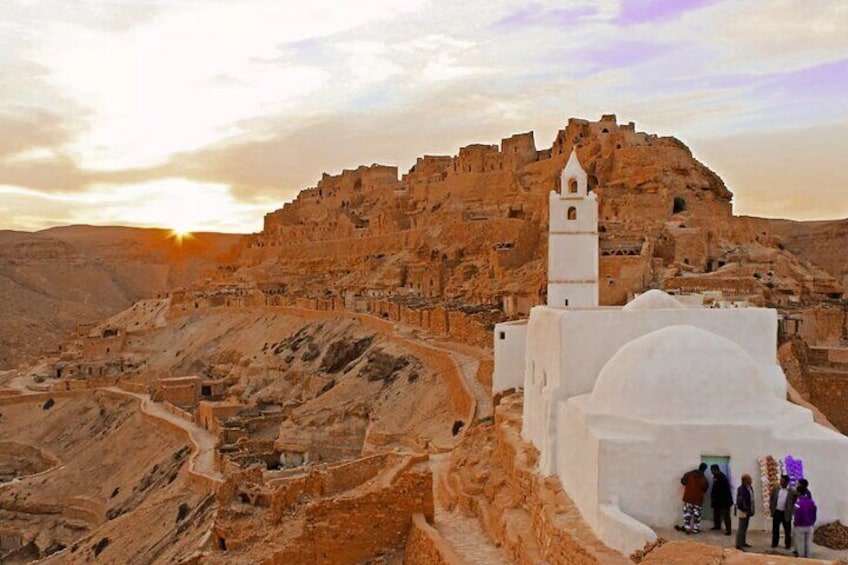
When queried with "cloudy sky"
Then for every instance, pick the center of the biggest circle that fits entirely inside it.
(206, 114)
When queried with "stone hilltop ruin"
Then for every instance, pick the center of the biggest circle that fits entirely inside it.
(472, 228)
(325, 394)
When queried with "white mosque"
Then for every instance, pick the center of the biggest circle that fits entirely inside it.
(621, 402)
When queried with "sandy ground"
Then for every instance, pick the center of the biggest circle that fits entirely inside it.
(760, 541)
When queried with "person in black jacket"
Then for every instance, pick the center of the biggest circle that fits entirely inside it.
(744, 509)
(721, 499)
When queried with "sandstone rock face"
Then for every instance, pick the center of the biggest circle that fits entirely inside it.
(824, 244)
(471, 229)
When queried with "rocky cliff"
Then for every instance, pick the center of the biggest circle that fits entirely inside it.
(470, 229)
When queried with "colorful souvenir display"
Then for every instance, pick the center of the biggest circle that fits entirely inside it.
(794, 468)
(771, 470)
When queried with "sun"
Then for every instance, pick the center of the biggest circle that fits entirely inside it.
(181, 233)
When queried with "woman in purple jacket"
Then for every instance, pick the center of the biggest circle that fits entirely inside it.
(805, 519)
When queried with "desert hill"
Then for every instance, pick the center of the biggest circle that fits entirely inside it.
(823, 243)
(54, 279)
(107, 465)
(470, 230)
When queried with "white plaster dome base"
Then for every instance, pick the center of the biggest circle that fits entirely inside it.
(653, 299)
(684, 374)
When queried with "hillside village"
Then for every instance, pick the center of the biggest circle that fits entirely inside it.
(330, 390)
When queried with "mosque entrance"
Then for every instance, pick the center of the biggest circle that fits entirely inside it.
(723, 464)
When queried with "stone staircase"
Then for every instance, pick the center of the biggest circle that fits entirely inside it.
(463, 533)
(466, 536)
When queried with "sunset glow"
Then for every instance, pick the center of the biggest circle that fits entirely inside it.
(207, 115)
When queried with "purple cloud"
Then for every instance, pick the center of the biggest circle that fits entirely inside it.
(825, 82)
(827, 79)
(642, 11)
(624, 54)
(535, 15)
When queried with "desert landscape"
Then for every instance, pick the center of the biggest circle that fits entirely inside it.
(408, 282)
(321, 392)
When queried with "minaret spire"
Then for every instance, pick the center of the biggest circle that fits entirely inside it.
(573, 240)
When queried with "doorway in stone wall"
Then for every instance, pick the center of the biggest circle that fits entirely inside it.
(723, 463)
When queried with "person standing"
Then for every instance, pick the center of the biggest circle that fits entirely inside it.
(721, 499)
(782, 506)
(805, 519)
(695, 485)
(744, 509)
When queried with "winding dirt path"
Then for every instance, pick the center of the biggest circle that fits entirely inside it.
(203, 459)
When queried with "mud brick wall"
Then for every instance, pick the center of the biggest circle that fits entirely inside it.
(439, 321)
(348, 476)
(426, 546)
(485, 370)
(182, 395)
(621, 277)
(467, 329)
(829, 393)
(40, 397)
(352, 528)
(829, 327)
(462, 398)
(98, 348)
(690, 247)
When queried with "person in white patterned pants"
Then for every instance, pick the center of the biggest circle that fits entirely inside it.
(694, 486)
(691, 518)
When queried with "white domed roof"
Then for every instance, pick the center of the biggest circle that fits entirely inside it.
(683, 373)
(653, 300)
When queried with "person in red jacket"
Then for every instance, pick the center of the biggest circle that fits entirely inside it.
(695, 484)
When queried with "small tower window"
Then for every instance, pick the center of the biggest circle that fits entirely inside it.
(679, 205)
(572, 186)
(572, 213)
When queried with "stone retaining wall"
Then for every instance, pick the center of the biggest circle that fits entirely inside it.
(426, 546)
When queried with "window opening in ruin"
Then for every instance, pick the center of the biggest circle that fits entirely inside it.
(222, 544)
(206, 390)
(502, 335)
(572, 213)
(572, 186)
(605, 130)
(679, 205)
(566, 301)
